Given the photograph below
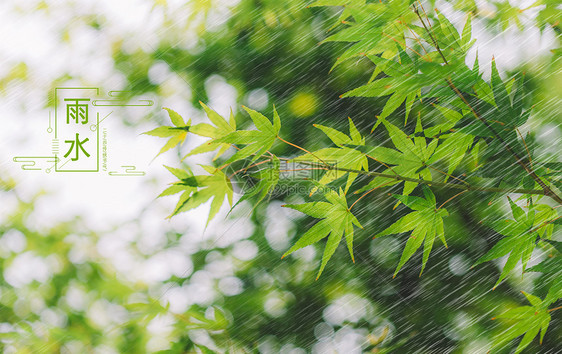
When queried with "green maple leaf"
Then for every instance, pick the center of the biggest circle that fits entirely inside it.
(340, 138)
(186, 182)
(409, 160)
(341, 157)
(453, 146)
(402, 83)
(509, 110)
(405, 79)
(519, 242)
(373, 30)
(221, 128)
(406, 76)
(378, 33)
(501, 108)
(545, 219)
(529, 320)
(337, 221)
(452, 149)
(345, 14)
(450, 41)
(257, 141)
(200, 189)
(426, 222)
(267, 179)
(177, 133)
(505, 14)
(551, 266)
(378, 29)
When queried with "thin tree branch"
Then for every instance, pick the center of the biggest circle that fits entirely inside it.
(430, 35)
(547, 190)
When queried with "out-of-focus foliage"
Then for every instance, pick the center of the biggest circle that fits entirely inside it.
(488, 113)
(60, 293)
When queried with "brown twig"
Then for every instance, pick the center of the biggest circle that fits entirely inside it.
(369, 191)
(453, 197)
(301, 148)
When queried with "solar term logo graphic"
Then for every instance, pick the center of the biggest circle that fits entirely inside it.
(78, 136)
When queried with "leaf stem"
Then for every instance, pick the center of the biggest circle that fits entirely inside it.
(415, 37)
(448, 175)
(453, 197)
(248, 167)
(544, 224)
(526, 147)
(301, 148)
(367, 192)
(395, 40)
(382, 163)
